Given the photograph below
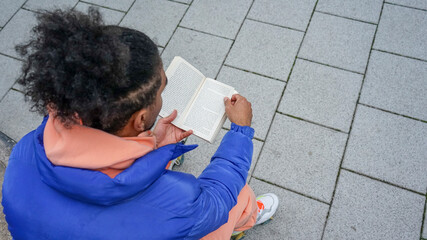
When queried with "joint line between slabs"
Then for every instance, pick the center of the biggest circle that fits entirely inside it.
(394, 113)
(398, 54)
(106, 7)
(351, 126)
(309, 121)
(259, 74)
(207, 33)
(273, 24)
(13, 15)
(177, 26)
(395, 4)
(290, 190)
(4, 54)
(382, 181)
(235, 38)
(284, 89)
(179, 2)
(348, 18)
(325, 64)
(424, 217)
(121, 20)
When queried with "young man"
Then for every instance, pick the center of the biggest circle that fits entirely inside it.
(93, 169)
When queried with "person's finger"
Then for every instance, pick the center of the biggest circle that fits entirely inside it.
(186, 134)
(227, 101)
(171, 117)
(234, 97)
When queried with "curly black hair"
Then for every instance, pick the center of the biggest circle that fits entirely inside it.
(80, 68)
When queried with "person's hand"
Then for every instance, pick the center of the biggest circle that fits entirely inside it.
(238, 110)
(167, 133)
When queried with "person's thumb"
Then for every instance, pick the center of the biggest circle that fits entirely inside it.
(227, 101)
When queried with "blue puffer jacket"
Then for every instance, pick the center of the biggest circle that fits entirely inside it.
(44, 201)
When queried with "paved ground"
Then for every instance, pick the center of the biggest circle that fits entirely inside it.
(339, 91)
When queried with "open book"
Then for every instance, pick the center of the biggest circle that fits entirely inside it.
(198, 100)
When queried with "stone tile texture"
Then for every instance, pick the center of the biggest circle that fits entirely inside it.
(17, 31)
(14, 110)
(421, 4)
(262, 92)
(156, 18)
(221, 17)
(110, 17)
(122, 5)
(287, 13)
(265, 49)
(402, 30)
(302, 157)
(8, 8)
(37, 5)
(366, 209)
(338, 42)
(365, 10)
(297, 217)
(397, 84)
(321, 94)
(10, 69)
(388, 147)
(205, 52)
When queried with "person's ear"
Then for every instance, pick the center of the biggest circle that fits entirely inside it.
(140, 120)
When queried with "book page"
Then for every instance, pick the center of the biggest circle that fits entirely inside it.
(183, 82)
(208, 108)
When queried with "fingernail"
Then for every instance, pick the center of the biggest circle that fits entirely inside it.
(225, 99)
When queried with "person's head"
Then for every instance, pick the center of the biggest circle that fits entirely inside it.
(108, 77)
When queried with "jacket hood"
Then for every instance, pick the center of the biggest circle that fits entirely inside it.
(96, 187)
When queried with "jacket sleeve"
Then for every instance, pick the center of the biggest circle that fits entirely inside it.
(223, 179)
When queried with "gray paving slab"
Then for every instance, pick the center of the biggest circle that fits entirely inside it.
(264, 94)
(397, 84)
(402, 30)
(365, 10)
(122, 5)
(160, 50)
(265, 49)
(288, 13)
(221, 17)
(49, 4)
(4, 233)
(368, 209)
(197, 160)
(156, 18)
(17, 31)
(10, 70)
(322, 94)
(388, 147)
(205, 52)
(297, 217)
(110, 17)
(421, 4)
(338, 42)
(8, 8)
(301, 156)
(15, 119)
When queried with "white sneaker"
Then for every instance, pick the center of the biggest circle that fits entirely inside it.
(267, 206)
